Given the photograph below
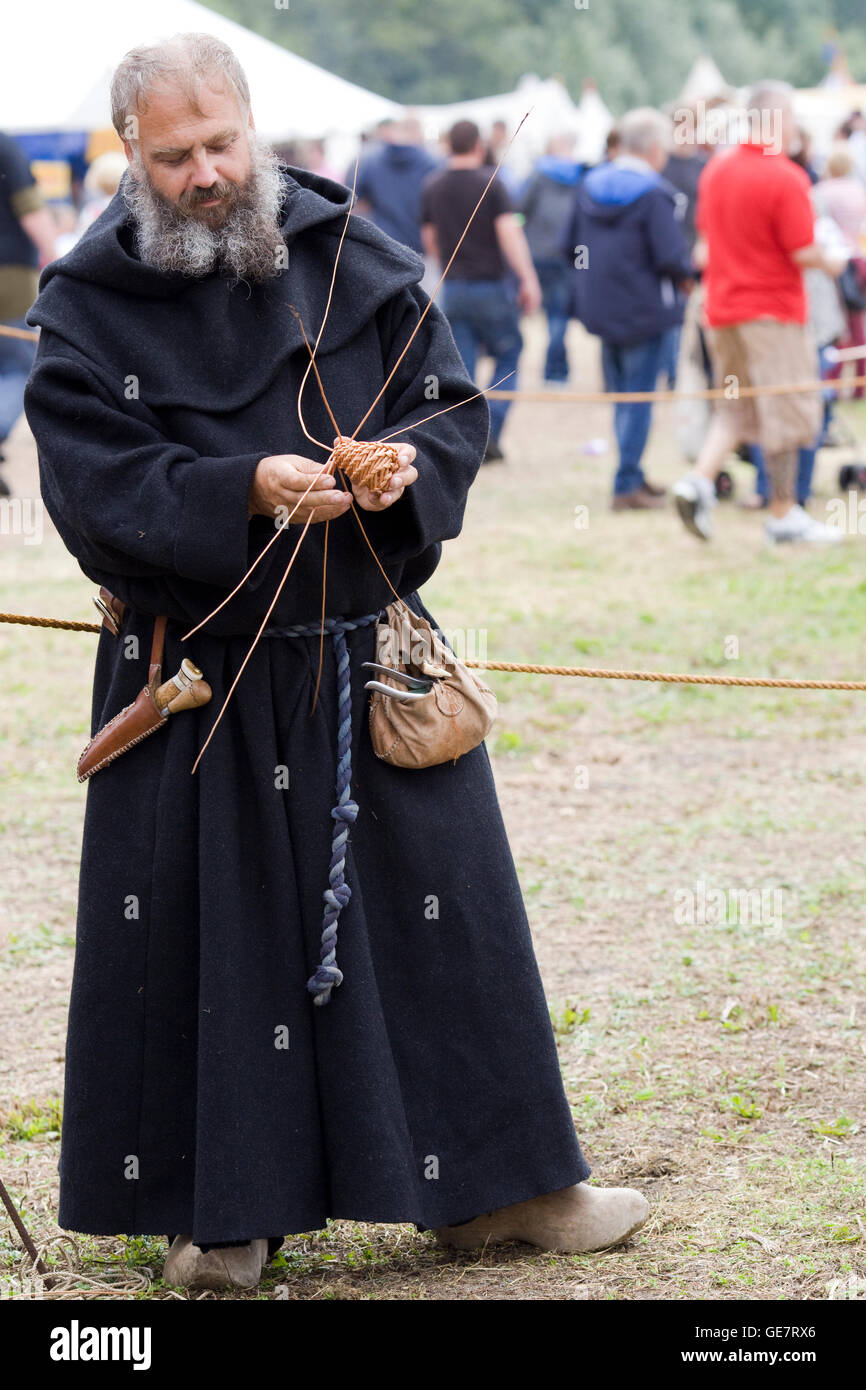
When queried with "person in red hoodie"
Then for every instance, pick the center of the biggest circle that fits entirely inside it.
(757, 223)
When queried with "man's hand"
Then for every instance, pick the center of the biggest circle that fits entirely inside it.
(403, 478)
(515, 249)
(42, 231)
(280, 482)
(700, 254)
(529, 294)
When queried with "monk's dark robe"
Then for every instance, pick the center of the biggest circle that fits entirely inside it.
(205, 1092)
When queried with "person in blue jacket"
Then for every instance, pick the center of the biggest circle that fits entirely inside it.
(632, 271)
(390, 181)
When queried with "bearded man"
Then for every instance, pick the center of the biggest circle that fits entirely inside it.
(207, 1098)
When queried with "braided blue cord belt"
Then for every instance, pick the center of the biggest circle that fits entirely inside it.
(338, 892)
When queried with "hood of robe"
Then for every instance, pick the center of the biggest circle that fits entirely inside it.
(213, 342)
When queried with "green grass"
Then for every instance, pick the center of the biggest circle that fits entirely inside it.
(32, 1120)
(717, 1066)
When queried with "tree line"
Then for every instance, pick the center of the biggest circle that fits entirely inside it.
(638, 51)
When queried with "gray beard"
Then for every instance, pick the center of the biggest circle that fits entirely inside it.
(247, 243)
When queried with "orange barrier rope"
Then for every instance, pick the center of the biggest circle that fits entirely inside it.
(714, 393)
(781, 683)
(62, 624)
(7, 331)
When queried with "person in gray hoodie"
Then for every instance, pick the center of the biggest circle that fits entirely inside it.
(546, 204)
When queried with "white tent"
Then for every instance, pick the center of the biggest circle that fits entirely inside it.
(821, 110)
(551, 112)
(594, 124)
(56, 61)
(704, 82)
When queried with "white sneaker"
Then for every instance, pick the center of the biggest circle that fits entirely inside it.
(798, 525)
(695, 497)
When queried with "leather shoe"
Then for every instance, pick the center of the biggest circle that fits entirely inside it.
(573, 1220)
(224, 1267)
(640, 500)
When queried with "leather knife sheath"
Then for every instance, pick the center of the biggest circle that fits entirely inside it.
(132, 724)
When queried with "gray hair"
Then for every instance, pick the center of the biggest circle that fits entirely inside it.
(186, 60)
(769, 95)
(641, 130)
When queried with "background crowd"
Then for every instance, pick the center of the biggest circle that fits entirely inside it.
(699, 252)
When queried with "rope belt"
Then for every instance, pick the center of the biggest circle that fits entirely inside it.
(338, 892)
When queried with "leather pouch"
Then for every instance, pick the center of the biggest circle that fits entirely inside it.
(453, 717)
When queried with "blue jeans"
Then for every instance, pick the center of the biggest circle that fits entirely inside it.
(805, 457)
(483, 317)
(805, 469)
(555, 280)
(631, 367)
(16, 359)
(671, 353)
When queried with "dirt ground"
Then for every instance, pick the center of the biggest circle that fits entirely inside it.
(693, 863)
